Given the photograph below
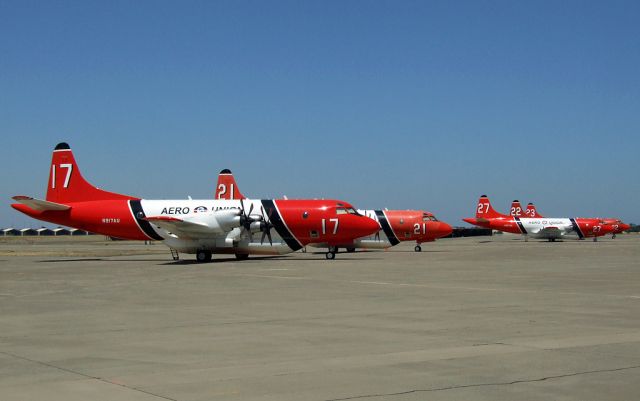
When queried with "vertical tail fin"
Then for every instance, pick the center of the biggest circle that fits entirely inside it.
(226, 188)
(66, 184)
(516, 209)
(485, 210)
(532, 212)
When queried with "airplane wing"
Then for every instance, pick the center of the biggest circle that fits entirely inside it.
(548, 233)
(185, 228)
(39, 204)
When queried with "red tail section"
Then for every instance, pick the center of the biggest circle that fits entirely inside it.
(227, 187)
(516, 209)
(485, 210)
(531, 211)
(66, 184)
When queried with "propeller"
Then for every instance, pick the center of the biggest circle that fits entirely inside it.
(245, 219)
(266, 226)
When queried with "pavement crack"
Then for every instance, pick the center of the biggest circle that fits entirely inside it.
(101, 379)
(540, 379)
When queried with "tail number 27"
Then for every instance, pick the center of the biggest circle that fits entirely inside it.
(483, 208)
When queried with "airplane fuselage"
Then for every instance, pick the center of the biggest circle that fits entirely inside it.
(397, 226)
(543, 228)
(296, 223)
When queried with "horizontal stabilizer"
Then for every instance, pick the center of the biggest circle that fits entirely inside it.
(39, 204)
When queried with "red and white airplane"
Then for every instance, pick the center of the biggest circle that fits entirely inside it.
(541, 228)
(396, 225)
(617, 225)
(201, 227)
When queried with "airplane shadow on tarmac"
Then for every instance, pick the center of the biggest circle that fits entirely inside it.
(223, 260)
(71, 260)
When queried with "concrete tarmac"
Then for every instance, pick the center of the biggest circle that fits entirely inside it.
(485, 318)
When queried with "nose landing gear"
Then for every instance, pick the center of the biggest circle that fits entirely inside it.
(331, 253)
(418, 248)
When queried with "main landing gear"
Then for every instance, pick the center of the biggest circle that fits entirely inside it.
(418, 248)
(203, 256)
(242, 256)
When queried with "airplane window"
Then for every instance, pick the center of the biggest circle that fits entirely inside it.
(352, 211)
(341, 210)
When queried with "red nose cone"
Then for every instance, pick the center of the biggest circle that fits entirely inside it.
(624, 227)
(443, 229)
(367, 226)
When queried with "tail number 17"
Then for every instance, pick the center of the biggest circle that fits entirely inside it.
(69, 168)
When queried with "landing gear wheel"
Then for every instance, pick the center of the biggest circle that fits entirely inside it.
(351, 250)
(613, 236)
(203, 256)
(242, 256)
(418, 248)
(595, 239)
(330, 255)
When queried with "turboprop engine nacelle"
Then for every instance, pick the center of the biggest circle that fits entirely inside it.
(227, 219)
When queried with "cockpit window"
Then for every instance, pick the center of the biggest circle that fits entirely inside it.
(429, 217)
(347, 210)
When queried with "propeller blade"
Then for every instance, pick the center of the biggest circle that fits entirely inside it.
(269, 236)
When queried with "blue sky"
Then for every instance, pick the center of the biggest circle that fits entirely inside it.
(423, 105)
